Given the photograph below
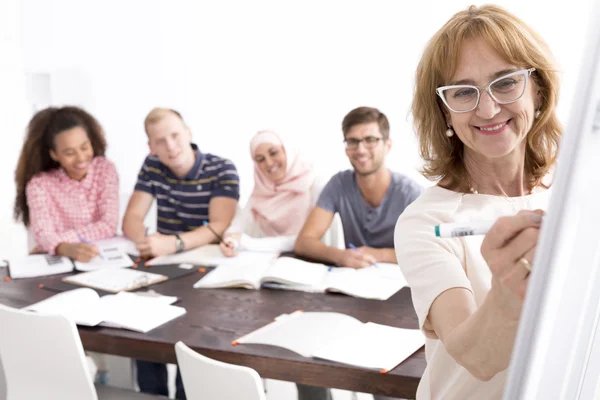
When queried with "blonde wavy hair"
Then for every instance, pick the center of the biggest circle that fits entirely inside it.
(519, 45)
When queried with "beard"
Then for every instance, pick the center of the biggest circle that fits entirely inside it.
(368, 170)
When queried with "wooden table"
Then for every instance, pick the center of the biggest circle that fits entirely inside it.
(218, 316)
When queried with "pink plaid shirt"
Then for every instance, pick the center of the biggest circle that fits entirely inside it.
(63, 210)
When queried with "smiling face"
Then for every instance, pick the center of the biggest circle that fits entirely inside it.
(272, 161)
(170, 140)
(491, 130)
(73, 151)
(365, 159)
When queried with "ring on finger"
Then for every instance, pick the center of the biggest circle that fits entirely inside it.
(525, 263)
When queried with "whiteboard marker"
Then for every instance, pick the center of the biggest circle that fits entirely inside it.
(468, 228)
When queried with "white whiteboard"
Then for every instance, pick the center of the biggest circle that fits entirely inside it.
(557, 355)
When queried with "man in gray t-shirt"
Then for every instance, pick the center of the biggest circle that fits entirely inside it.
(369, 199)
(365, 224)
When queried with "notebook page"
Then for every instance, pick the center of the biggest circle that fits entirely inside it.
(115, 280)
(110, 257)
(211, 255)
(39, 265)
(79, 305)
(296, 272)
(233, 276)
(377, 282)
(303, 332)
(119, 243)
(137, 314)
(275, 244)
(373, 346)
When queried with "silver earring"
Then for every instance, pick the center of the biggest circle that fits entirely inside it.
(537, 114)
(450, 131)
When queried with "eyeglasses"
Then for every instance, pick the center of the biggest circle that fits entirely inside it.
(370, 142)
(504, 90)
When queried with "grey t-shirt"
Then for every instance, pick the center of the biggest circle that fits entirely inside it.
(365, 225)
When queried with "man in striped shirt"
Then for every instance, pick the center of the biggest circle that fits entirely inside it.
(190, 187)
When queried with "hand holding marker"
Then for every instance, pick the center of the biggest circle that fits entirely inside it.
(467, 228)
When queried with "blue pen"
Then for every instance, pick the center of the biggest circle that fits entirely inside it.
(353, 247)
(82, 239)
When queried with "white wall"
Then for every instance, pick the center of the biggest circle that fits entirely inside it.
(233, 67)
(13, 115)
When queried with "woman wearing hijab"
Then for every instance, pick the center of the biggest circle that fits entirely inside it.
(285, 190)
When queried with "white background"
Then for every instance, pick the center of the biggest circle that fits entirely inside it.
(233, 68)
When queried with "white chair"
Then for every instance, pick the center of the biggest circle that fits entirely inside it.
(205, 378)
(43, 358)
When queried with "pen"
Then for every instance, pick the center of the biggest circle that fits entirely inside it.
(353, 247)
(459, 229)
(82, 239)
(221, 240)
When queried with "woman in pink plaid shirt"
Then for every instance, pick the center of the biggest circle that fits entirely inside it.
(67, 192)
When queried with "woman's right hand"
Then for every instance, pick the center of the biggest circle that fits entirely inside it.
(509, 249)
(229, 246)
(77, 251)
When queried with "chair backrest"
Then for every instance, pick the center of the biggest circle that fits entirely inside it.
(205, 378)
(43, 357)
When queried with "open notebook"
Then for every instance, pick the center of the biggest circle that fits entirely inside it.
(211, 255)
(378, 282)
(113, 254)
(339, 337)
(124, 310)
(117, 280)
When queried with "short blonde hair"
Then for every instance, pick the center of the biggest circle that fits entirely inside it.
(158, 114)
(519, 45)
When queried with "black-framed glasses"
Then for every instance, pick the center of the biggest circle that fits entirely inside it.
(369, 141)
(504, 90)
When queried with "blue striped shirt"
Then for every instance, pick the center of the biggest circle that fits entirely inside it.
(182, 203)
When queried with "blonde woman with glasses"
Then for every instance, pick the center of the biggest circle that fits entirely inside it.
(484, 112)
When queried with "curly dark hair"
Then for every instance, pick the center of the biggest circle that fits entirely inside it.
(35, 154)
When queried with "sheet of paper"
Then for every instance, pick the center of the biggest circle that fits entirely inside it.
(39, 265)
(80, 305)
(110, 257)
(303, 332)
(118, 243)
(137, 314)
(277, 244)
(377, 282)
(373, 346)
(211, 255)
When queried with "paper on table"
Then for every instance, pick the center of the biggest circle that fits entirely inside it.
(110, 257)
(211, 255)
(378, 282)
(233, 276)
(303, 332)
(276, 244)
(80, 305)
(118, 243)
(115, 280)
(373, 346)
(123, 310)
(39, 265)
